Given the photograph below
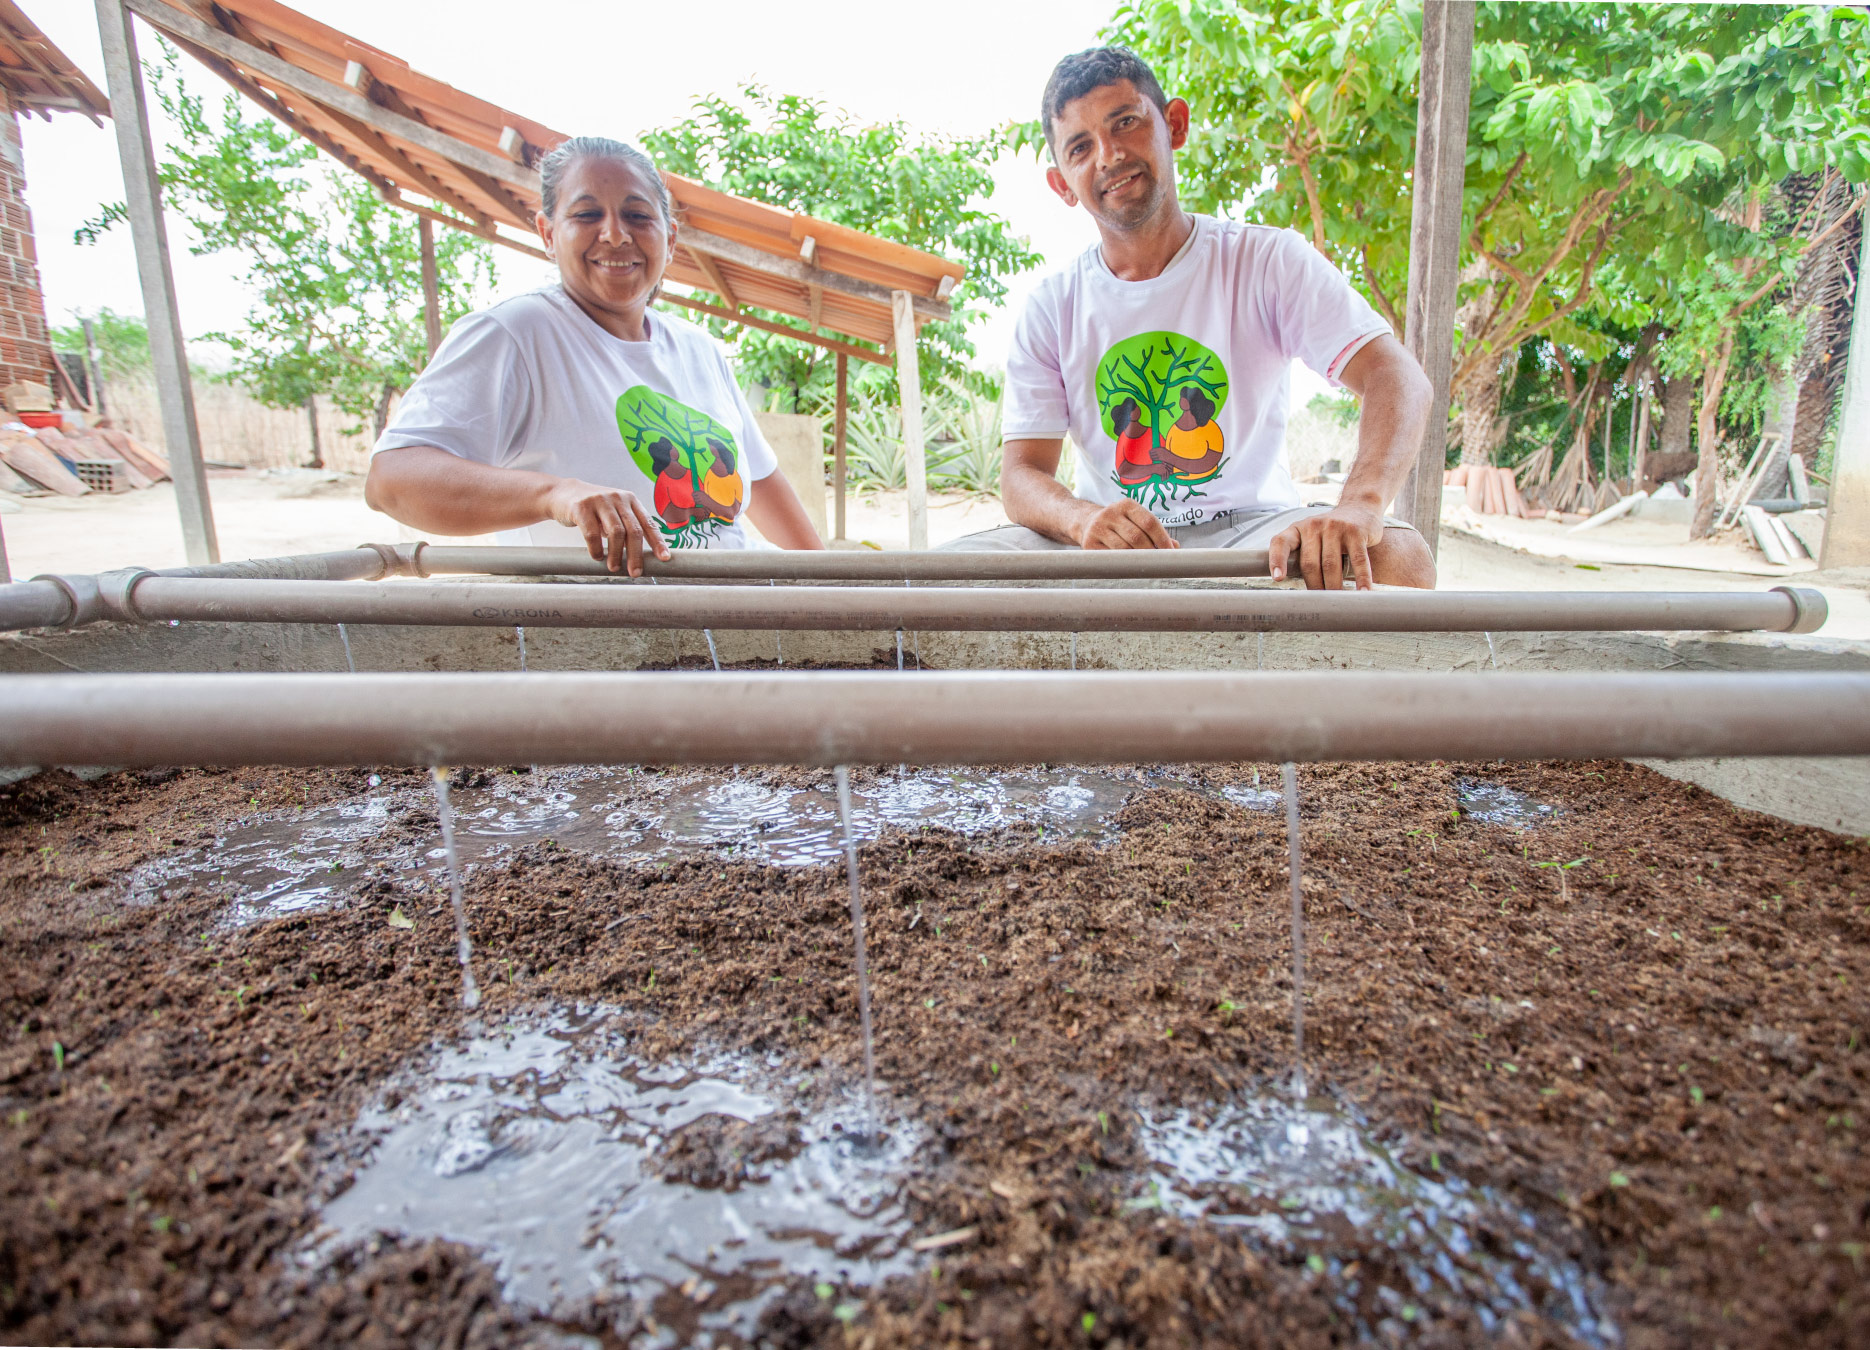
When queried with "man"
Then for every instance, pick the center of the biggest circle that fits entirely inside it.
(1165, 352)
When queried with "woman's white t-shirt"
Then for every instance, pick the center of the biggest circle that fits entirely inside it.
(1175, 389)
(535, 383)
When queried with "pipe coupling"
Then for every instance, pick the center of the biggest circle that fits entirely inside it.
(81, 593)
(1809, 608)
(117, 593)
(401, 560)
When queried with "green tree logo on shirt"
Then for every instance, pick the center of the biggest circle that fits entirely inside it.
(691, 460)
(1159, 394)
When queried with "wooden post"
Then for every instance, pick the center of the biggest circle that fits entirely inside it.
(431, 287)
(168, 353)
(909, 384)
(1435, 240)
(1847, 517)
(1639, 447)
(837, 442)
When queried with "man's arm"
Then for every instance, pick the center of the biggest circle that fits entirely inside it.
(1033, 497)
(1396, 396)
(432, 490)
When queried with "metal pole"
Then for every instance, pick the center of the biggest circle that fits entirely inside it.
(431, 289)
(1435, 240)
(948, 609)
(1847, 517)
(168, 352)
(837, 442)
(827, 718)
(909, 386)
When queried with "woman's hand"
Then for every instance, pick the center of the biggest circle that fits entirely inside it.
(615, 525)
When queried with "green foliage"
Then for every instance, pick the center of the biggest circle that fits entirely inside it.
(929, 192)
(961, 445)
(1607, 148)
(335, 271)
(122, 342)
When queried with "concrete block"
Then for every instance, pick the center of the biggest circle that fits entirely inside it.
(799, 443)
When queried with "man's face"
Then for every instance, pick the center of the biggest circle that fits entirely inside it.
(1114, 153)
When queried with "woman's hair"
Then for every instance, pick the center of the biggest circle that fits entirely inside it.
(1200, 405)
(1122, 415)
(563, 155)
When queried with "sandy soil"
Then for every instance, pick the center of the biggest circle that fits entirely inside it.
(1659, 1049)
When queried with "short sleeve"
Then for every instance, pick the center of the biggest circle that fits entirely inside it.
(473, 399)
(1315, 314)
(1036, 403)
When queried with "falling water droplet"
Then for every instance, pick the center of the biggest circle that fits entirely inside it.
(345, 638)
(522, 648)
(713, 655)
(843, 777)
(470, 992)
(1290, 774)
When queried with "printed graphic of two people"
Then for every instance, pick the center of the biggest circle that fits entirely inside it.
(1188, 451)
(680, 500)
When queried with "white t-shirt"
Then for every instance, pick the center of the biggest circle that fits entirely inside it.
(1175, 389)
(535, 383)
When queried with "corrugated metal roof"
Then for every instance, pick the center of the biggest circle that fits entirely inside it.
(415, 137)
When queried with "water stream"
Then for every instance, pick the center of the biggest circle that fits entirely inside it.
(1289, 773)
(520, 633)
(863, 966)
(345, 637)
(470, 992)
(713, 655)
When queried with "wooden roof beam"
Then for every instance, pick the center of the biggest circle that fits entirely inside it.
(335, 97)
(850, 349)
(712, 271)
(800, 272)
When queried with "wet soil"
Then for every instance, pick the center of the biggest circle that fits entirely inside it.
(1658, 1046)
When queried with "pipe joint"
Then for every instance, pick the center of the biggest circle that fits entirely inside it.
(390, 563)
(117, 594)
(82, 594)
(1809, 608)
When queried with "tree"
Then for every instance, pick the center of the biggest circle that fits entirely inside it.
(335, 271)
(1603, 143)
(926, 191)
(122, 342)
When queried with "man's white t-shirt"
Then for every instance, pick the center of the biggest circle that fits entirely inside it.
(535, 383)
(1175, 389)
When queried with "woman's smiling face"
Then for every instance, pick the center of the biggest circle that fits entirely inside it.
(609, 239)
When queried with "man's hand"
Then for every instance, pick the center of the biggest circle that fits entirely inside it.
(1324, 543)
(615, 525)
(1124, 524)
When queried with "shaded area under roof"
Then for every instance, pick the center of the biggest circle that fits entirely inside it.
(414, 137)
(38, 76)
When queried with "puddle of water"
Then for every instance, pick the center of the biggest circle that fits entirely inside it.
(288, 864)
(1255, 798)
(1292, 1172)
(588, 1176)
(1497, 804)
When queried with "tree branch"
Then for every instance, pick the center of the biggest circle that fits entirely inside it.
(1473, 240)
(1384, 304)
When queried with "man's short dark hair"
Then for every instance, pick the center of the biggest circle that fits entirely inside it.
(1081, 72)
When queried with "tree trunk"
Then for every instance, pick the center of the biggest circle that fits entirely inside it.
(1482, 427)
(1678, 396)
(1708, 459)
(1781, 414)
(311, 418)
(1808, 429)
(381, 418)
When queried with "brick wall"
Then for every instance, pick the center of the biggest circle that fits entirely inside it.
(25, 345)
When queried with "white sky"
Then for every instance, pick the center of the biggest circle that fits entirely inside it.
(601, 68)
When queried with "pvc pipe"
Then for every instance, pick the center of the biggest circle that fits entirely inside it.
(839, 717)
(853, 565)
(956, 609)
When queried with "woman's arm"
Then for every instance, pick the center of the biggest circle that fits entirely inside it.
(775, 509)
(432, 490)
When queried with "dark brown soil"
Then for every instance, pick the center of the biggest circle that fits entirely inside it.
(1661, 1048)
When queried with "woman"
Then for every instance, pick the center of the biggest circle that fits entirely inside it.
(1193, 445)
(1135, 454)
(551, 417)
